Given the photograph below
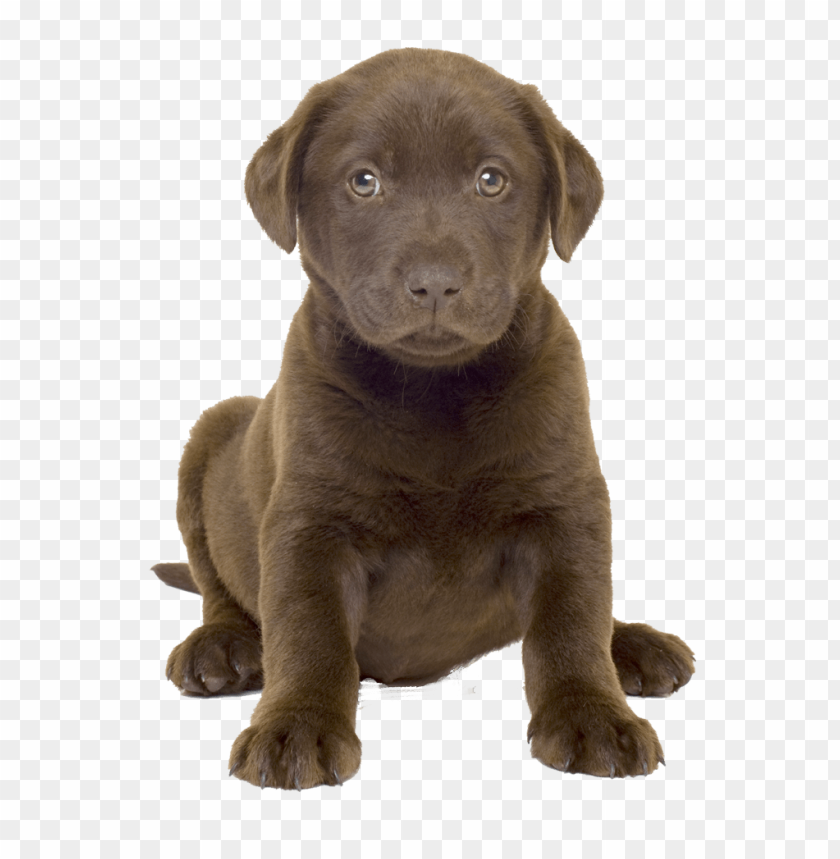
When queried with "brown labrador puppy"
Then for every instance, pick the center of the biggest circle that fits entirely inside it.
(421, 484)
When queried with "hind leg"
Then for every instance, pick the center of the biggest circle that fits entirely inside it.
(224, 655)
(650, 663)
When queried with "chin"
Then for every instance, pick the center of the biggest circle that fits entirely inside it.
(424, 349)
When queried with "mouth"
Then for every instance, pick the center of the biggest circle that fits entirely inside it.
(432, 341)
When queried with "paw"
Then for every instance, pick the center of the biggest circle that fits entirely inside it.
(650, 663)
(217, 659)
(596, 736)
(297, 749)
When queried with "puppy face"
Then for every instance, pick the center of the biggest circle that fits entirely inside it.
(424, 184)
(426, 213)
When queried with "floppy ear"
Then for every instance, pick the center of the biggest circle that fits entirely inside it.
(575, 187)
(272, 180)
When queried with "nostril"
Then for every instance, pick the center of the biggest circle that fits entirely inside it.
(433, 285)
(421, 290)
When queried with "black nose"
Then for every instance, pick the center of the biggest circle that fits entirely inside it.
(433, 286)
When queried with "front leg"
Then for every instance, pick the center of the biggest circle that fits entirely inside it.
(581, 721)
(312, 599)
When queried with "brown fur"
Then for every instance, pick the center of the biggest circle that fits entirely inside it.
(421, 484)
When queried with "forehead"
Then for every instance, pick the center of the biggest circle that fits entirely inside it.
(414, 120)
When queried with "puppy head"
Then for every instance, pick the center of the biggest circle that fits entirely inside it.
(422, 186)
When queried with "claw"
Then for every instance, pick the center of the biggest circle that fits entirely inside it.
(233, 769)
(644, 767)
(335, 776)
(676, 682)
(297, 782)
(566, 766)
(612, 770)
(169, 673)
(236, 666)
(662, 760)
(263, 777)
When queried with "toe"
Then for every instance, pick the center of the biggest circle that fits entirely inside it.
(213, 684)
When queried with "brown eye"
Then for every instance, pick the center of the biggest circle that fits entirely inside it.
(491, 183)
(365, 184)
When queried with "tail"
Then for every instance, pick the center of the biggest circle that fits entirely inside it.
(176, 576)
